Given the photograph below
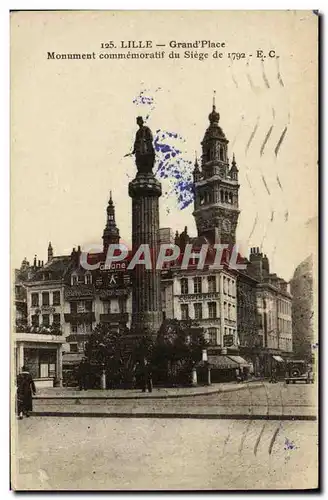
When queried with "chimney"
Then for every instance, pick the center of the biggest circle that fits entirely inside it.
(256, 267)
(34, 262)
(265, 264)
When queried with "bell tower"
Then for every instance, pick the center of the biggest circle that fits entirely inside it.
(111, 233)
(216, 187)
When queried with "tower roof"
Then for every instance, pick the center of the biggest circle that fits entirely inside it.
(214, 116)
(111, 231)
(234, 164)
(214, 131)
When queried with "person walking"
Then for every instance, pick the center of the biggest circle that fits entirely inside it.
(83, 374)
(147, 382)
(25, 388)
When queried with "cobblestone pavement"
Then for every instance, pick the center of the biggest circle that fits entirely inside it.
(163, 392)
(115, 454)
(254, 400)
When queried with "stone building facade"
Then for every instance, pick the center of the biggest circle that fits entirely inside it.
(302, 315)
(208, 298)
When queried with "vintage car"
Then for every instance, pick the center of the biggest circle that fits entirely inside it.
(298, 371)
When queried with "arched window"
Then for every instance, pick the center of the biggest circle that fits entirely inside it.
(230, 197)
(226, 197)
(221, 195)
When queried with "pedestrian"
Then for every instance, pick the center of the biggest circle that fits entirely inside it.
(273, 378)
(147, 382)
(83, 374)
(25, 388)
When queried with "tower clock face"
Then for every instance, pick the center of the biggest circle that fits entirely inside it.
(226, 225)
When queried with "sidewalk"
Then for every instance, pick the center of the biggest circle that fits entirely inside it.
(51, 393)
(255, 400)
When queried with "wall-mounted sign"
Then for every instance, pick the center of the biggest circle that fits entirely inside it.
(198, 297)
(45, 309)
(79, 291)
(116, 292)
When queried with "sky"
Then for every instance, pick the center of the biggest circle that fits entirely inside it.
(72, 122)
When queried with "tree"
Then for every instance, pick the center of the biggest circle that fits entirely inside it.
(105, 350)
(178, 348)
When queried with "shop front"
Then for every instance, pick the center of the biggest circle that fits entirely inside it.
(42, 354)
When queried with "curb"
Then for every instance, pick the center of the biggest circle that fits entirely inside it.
(199, 416)
(162, 396)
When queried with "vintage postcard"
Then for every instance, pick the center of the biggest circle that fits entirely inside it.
(164, 233)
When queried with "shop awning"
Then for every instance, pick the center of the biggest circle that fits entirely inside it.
(72, 358)
(278, 358)
(222, 362)
(238, 359)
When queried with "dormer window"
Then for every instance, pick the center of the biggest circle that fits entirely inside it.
(74, 280)
(88, 279)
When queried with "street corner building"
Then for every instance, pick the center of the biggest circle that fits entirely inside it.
(246, 315)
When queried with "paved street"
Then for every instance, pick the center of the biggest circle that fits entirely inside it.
(253, 399)
(96, 453)
(152, 453)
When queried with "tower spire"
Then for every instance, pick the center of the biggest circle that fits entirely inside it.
(111, 233)
(50, 252)
(214, 94)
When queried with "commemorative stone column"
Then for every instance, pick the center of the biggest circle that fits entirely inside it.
(145, 191)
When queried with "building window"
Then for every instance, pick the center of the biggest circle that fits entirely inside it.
(35, 300)
(74, 280)
(106, 306)
(198, 311)
(229, 311)
(122, 305)
(74, 328)
(212, 309)
(73, 306)
(35, 320)
(211, 280)
(73, 347)
(184, 286)
(197, 285)
(85, 328)
(225, 310)
(212, 334)
(184, 311)
(45, 298)
(88, 279)
(88, 305)
(56, 299)
(45, 320)
(224, 285)
(56, 319)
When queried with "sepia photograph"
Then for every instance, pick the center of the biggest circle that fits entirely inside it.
(164, 250)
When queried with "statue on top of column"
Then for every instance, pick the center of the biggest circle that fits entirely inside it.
(143, 148)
